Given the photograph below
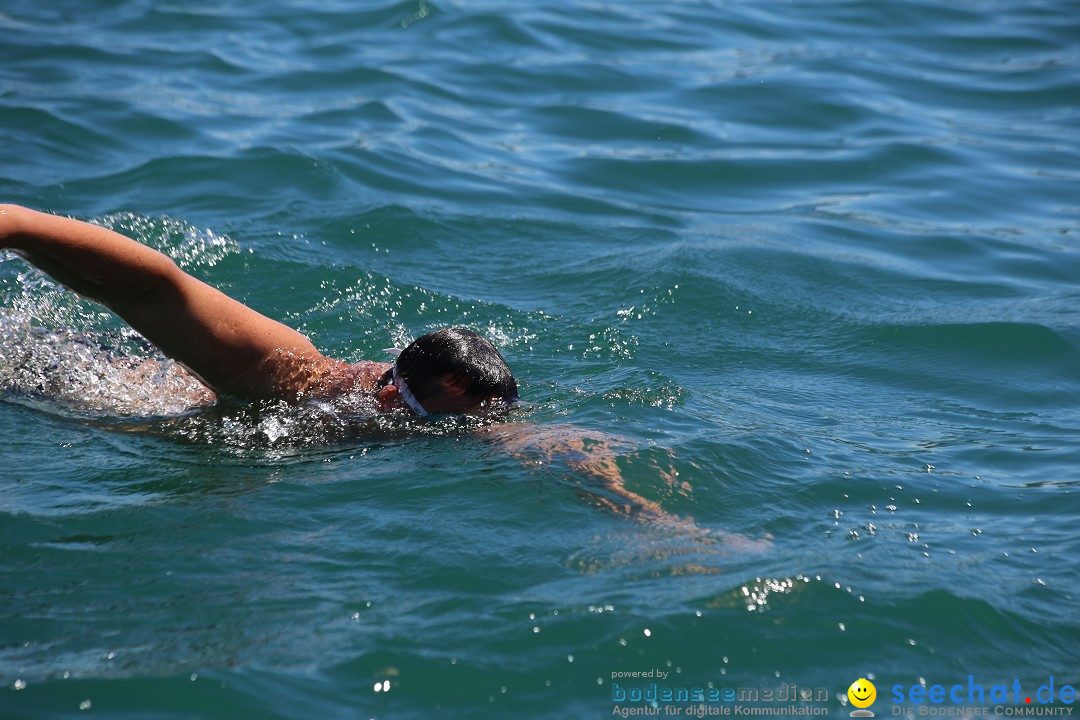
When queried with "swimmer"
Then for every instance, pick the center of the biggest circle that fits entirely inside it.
(237, 351)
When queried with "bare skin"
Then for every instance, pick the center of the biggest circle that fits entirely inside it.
(237, 351)
(231, 348)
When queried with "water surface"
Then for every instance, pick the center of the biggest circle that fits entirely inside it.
(814, 265)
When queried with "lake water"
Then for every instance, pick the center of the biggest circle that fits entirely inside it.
(813, 267)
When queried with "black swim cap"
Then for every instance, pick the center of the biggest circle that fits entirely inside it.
(460, 357)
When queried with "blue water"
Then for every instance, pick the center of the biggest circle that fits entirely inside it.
(807, 271)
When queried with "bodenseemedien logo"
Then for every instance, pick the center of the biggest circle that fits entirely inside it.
(862, 694)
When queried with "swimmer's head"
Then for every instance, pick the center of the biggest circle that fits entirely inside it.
(454, 370)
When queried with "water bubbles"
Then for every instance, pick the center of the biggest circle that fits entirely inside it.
(111, 373)
(273, 428)
(611, 344)
(422, 12)
(662, 394)
(758, 594)
(187, 245)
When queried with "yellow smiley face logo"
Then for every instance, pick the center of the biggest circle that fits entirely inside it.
(862, 693)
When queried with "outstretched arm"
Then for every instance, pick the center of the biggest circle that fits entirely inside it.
(591, 458)
(229, 346)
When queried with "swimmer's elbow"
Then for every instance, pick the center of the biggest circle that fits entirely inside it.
(161, 278)
(167, 273)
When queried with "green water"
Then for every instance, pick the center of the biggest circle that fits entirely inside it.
(811, 266)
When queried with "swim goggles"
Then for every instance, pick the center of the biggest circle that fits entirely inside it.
(402, 387)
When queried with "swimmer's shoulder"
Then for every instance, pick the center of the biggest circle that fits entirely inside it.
(344, 378)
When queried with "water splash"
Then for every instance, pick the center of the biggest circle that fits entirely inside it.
(86, 373)
(187, 245)
(64, 354)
